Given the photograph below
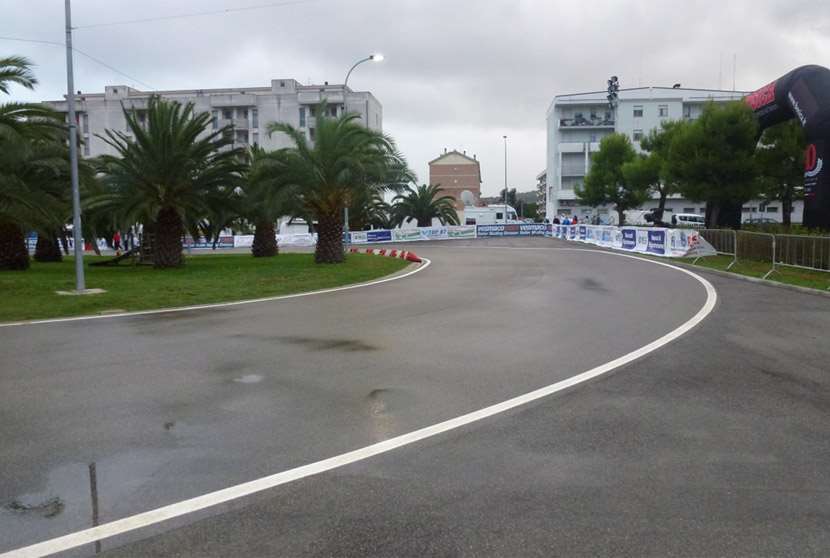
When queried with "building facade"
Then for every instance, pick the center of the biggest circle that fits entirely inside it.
(247, 110)
(576, 123)
(457, 173)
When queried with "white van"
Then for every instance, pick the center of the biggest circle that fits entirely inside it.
(688, 220)
(490, 215)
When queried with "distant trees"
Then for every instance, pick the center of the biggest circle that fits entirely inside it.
(651, 170)
(713, 160)
(780, 158)
(606, 182)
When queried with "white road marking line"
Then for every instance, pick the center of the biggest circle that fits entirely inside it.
(425, 264)
(164, 513)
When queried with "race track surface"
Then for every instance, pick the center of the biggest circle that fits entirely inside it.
(717, 444)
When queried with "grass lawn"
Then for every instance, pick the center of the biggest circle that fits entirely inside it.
(28, 295)
(783, 274)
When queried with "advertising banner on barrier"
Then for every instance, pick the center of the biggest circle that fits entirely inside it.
(303, 239)
(406, 235)
(379, 236)
(647, 240)
(656, 243)
(223, 242)
(629, 239)
(513, 229)
(461, 231)
(358, 237)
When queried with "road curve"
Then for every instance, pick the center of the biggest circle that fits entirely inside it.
(170, 406)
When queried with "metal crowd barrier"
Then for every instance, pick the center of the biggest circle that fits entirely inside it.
(724, 241)
(801, 251)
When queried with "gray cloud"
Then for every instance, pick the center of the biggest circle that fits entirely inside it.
(458, 73)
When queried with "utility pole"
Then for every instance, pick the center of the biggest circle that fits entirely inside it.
(80, 282)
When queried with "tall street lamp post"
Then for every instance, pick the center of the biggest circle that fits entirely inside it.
(80, 282)
(370, 58)
(505, 182)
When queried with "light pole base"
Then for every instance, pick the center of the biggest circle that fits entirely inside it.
(80, 293)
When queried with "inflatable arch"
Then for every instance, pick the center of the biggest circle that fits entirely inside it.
(804, 93)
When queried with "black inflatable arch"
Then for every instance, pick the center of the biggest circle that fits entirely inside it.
(804, 93)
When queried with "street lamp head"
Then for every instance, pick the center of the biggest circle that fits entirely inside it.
(376, 58)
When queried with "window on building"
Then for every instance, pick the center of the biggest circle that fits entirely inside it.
(745, 209)
(302, 117)
(702, 210)
(332, 110)
(142, 117)
(227, 114)
(689, 210)
(637, 135)
(255, 138)
(85, 120)
(215, 119)
(772, 209)
(499, 215)
(282, 84)
(638, 111)
(242, 113)
(687, 111)
(470, 221)
(241, 136)
(254, 118)
(311, 134)
(662, 111)
(593, 138)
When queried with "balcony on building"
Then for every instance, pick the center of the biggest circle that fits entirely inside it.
(588, 123)
(587, 117)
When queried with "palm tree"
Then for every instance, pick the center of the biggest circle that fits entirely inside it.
(345, 159)
(425, 203)
(34, 176)
(369, 209)
(167, 173)
(32, 159)
(266, 197)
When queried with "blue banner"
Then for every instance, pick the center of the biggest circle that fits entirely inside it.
(629, 239)
(379, 236)
(656, 242)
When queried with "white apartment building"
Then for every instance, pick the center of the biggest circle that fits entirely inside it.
(247, 110)
(577, 122)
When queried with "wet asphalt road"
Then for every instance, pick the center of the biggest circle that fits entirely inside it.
(716, 445)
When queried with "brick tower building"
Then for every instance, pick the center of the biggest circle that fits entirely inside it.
(456, 172)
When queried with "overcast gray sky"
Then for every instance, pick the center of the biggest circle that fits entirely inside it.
(458, 73)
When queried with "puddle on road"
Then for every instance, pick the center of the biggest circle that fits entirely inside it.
(249, 379)
(383, 406)
(591, 284)
(48, 508)
(328, 344)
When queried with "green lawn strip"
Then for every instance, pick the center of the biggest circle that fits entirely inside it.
(783, 274)
(29, 295)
